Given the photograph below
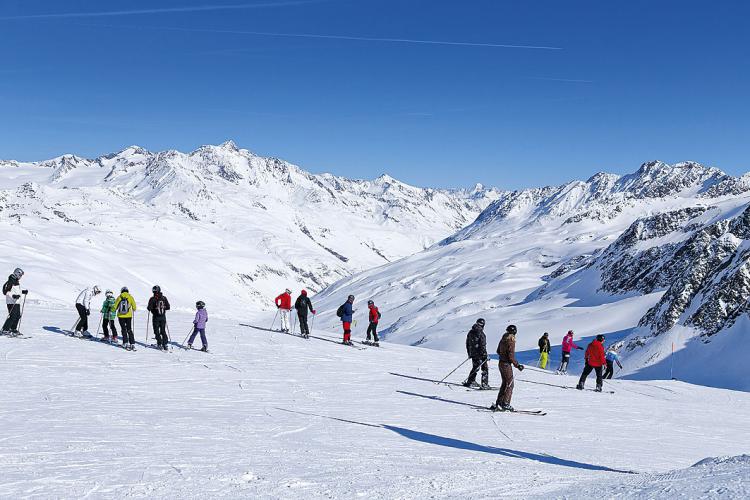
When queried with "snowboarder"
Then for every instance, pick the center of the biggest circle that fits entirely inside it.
(125, 306)
(372, 328)
(595, 360)
(303, 305)
(13, 292)
(284, 304)
(476, 349)
(199, 325)
(544, 349)
(345, 312)
(109, 314)
(506, 351)
(158, 305)
(83, 304)
(612, 357)
(567, 346)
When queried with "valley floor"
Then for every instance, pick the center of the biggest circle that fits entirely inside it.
(266, 415)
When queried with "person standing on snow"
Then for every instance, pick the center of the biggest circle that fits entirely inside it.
(346, 312)
(284, 304)
(544, 350)
(83, 305)
(567, 346)
(12, 291)
(372, 328)
(125, 306)
(476, 349)
(303, 305)
(611, 357)
(109, 314)
(595, 360)
(506, 350)
(199, 325)
(158, 305)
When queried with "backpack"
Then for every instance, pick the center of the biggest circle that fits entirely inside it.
(124, 306)
(379, 315)
(340, 311)
(160, 307)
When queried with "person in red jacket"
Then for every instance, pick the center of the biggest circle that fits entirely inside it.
(284, 303)
(596, 359)
(372, 328)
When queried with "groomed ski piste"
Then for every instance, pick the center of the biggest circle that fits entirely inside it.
(267, 415)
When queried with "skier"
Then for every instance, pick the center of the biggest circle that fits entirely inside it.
(13, 292)
(201, 318)
(109, 314)
(544, 349)
(372, 328)
(567, 346)
(303, 305)
(83, 304)
(506, 350)
(595, 360)
(125, 306)
(476, 349)
(345, 312)
(158, 305)
(612, 357)
(284, 304)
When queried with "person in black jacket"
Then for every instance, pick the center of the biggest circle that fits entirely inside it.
(476, 348)
(544, 350)
(158, 305)
(303, 305)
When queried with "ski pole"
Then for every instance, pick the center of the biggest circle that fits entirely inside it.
(535, 369)
(312, 325)
(23, 306)
(294, 324)
(274, 319)
(451, 373)
(169, 337)
(187, 337)
(101, 318)
(148, 316)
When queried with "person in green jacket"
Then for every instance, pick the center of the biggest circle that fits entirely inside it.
(109, 315)
(125, 306)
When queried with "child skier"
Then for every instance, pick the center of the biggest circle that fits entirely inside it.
(372, 328)
(109, 314)
(83, 304)
(199, 325)
(125, 307)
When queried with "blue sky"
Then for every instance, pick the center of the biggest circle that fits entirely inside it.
(526, 93)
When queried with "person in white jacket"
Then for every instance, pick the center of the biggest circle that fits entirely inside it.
(13, 292)
(83, 304)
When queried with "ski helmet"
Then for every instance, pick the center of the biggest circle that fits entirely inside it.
(480, 322)
(18, 273)
(96, 290)
(546, 334)
(156, 289)
(288, 291)
(512, 329)
(600, 337)
(109, 293)
(370, 303)
(200, 304)
(350, 297)
(124, 290)
(304, 292)
(570, 332)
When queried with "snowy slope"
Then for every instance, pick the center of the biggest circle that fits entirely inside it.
(245, 226)
(663, 247)
(272, 416)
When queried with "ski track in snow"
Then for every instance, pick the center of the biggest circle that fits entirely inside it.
(266, 415)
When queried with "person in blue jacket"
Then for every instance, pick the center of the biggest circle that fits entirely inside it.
(611, 358)
(347, 311)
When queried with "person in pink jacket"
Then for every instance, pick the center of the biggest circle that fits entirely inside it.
(567, 346)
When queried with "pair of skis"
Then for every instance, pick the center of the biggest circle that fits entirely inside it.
(324, 339)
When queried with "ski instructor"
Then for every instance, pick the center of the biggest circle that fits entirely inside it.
(476, 349)
(506, 350)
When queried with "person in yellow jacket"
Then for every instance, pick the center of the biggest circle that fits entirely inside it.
(125, 307)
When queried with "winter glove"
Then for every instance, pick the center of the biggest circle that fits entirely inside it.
(314, 312)
(580, 348)
(520, 368)
(88, 312)
(16, 297)
(25, 292)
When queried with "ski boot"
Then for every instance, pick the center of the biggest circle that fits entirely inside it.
(190, 346)
(579, 387)
(485, 387)
(598, 388)
(126, 347)
(78, 334)
(507, 408)
(376, 344)
(132, 347)
(105, 339)
(204, 349)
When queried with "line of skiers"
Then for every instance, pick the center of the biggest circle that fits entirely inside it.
(123, 307)
(345, 312)
(476, 348)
